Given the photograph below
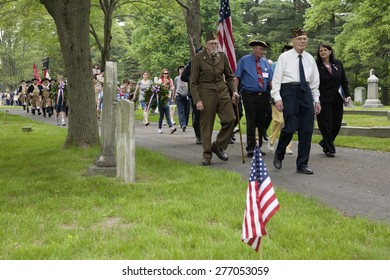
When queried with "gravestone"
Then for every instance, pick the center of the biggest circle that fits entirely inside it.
(125, 140)
(105, 163)
(372, 100)
(360, 94)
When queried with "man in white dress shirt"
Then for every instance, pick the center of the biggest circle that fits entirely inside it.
(298, 100)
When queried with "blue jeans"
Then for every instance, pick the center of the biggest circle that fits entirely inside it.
(183, 109)
(164, 110)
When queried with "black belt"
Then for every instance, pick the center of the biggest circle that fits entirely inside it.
(292, 84)
(253, 92)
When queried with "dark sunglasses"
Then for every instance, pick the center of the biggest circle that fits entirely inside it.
(166, 73)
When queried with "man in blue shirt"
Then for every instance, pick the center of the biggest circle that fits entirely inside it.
(253, 77)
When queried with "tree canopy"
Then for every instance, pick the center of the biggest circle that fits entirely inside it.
(154, 34)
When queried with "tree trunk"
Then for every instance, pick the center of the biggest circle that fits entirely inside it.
(108, 8)
(72, 22)
(191, 13)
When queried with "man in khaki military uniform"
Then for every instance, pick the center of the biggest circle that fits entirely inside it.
(35, 94)
(209, 71)
(47, 102)
(22, 90)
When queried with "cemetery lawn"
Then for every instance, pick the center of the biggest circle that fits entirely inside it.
(49, 209)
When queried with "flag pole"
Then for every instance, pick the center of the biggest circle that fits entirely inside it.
(261, 240)
(257, 136)
(239, 128)
(261, 243)
(261, 250)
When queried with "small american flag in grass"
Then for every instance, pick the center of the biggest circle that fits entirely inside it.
(261, 202)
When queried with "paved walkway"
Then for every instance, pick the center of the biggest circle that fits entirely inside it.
(355, 182)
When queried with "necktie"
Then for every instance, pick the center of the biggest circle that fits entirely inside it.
(259, 73)
(302, 77)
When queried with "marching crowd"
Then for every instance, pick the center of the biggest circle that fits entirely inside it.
(46, 97)
(290, 93)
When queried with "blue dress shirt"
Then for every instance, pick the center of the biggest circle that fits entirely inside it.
(247, 74)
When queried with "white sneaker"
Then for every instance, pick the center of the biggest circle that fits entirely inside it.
(289, 151)
(270, 146)
(173, 129)
(160, 131)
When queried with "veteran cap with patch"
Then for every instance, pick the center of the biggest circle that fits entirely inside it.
(298, 32)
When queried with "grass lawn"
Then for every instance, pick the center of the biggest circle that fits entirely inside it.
(49, 209)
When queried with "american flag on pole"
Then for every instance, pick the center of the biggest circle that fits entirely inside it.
(225, 33)
(261, 202)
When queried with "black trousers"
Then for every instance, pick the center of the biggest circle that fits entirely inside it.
(255, 106)
(329, 122)
(195, 119)
(298, 116)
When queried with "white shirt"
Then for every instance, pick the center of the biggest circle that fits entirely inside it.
(287, 71)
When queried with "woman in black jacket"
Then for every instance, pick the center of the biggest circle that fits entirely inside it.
(334, 93)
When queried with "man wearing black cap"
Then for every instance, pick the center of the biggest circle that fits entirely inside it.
(254, 76)
(181, 97)
(295, 88)
(209, 70)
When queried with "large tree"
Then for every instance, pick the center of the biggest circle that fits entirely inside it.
(363, 41)
(273, 20)
(25, 40)
(72, 21)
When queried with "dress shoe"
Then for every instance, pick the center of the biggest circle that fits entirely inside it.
(206, 162)
(305, 170)
(220, 153)
(277, 162)
(250, 153)
(330, 154)
(324, 150)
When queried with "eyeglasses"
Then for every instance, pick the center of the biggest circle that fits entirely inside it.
(166, 73)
